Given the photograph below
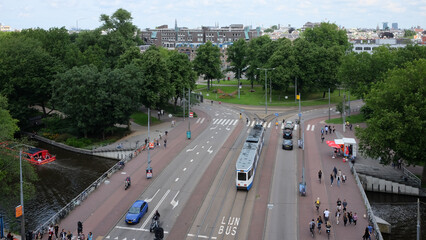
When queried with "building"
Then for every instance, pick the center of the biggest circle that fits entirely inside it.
(385, 26)
(4, 28)
(171, 37)
(394, 26)
(368, 45)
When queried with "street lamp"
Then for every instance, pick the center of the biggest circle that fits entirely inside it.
(149, 168)
(266, 88)
(238, 76)
(188, 134)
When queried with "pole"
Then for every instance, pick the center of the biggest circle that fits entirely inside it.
(329, 104)
(22, 197)
(270, 90)
(266, 92)
(344, 113)
(183, 100)
(303, 154)
(238, 76)
(418, 219)
(300, 117)
(349, 103)
(189, 109)
(295, 90)
(149, 156)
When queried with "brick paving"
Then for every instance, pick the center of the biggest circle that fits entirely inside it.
(319, 156)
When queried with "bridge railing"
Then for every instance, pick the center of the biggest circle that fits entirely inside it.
(412, 177)
(79, 198)
(370, 213)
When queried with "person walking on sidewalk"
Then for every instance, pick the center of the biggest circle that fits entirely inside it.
(345, 218)
(344, 203)
(355, 218)
(322, 138)
(165, 143)
(319, 223)
(319, 175)
(339, 205)
(326, 215)
(335, 171)
(366, 234)
(338, 181)
(331, 179)
(337, 217)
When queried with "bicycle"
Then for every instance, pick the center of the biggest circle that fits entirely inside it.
(312, 231)
(327, 229)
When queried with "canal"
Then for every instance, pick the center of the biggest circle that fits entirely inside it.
(61, 181)
(401, 212)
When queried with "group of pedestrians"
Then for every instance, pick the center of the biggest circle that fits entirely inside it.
(327, 129)
(338, 176)
(54, 234)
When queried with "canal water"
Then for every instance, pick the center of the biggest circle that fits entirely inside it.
(61, 181)
(401, 212)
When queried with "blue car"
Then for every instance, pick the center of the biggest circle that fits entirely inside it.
(136, 212)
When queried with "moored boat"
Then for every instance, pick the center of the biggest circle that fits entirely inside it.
(36, 156)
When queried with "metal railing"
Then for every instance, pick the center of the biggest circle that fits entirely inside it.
(412, 177)
(80, 198)
(370, 213)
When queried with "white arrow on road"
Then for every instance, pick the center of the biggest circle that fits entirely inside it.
(190, 150)
(173, 202)
(209, 150)
(155, 209)
(213, 127)
(150, 199)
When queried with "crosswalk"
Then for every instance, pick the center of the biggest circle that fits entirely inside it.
(266, 124)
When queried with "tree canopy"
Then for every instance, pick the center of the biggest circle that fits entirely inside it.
(207, 62)
(397, 125)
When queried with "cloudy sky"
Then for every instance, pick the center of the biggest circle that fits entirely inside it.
(21, 14)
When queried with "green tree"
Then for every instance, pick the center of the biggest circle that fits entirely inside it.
(305, 64)
(409, 33)
(355, 73)
(207, 62)
(8, 125)
(237, 54)
(26, 73)
(283, 60)
(327, 35)
(259, 51)
(397, 125)
(182, 76)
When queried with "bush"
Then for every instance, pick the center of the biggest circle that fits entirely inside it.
(78, 142)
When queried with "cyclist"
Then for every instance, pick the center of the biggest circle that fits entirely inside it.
(328, 228)
(319, 223)
(312, 226)
(317, 203)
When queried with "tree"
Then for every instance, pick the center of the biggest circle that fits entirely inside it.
(397, 125)
(182, 76)
(327, 35)
(26, 73)
(283, 60)
(8, 125)
(259, 51)
(207, 62)
(304, 70)
(355, 73)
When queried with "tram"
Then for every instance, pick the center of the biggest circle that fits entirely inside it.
(249, 158)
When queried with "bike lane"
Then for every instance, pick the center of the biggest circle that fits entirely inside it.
(105, 206)
(318, 156)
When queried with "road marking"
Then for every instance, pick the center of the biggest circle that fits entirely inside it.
(202, 120)
(198, 153)
(309, 126)
(220, 122)
(191, 160)
(215, 120)
(227, 128)
(248, 123)
(252, 124)
(190, 150)
(184, 169)
(207, 141)
(155, 209)
(198, 120)
(313, 126)
(173, 202)
(212, 137)
(226, 122)
(123, 173)
(177, 179)
(269, 125)
(134, 229)
(213, 127)
(231, 122)
(199, 236)
(150, 199)
(202, 146)
(295, 127)
(209, 150)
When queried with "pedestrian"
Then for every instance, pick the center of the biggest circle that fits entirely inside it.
(39, 236)
(158, 114)
(350, 126)
(79, 227)
(165, 143)
(344, 203)
(162, 112)
(335, 172)
(283, 120)
(326, 215)
(322, 138)
(160, 136)
(322, 131)
(319, 175)
(69, 235)
(345, 219)
(339, 204)
(319, 223)
(247, 121)
(366, 234)
(343, 178)
(63, 235)
(338, 181)
(355, 218)
(326, 129)
(90, 236)
(337, 217)
(339, 173)
(81, 236)
(56, 230)
(350, 217)
(399, 163)
(370, 229)
(146, 141)
(166, 133)
(331, 179)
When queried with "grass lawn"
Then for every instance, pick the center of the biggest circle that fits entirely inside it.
(358, 118)
(142, 118)
(257, 97)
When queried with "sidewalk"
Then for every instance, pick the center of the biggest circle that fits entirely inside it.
(319, 156)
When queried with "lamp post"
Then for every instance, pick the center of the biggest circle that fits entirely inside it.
(239, 76)
(188, 134)
(22, 197)
(266, 88)
(148, 168)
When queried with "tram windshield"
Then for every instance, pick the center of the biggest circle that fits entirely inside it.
(242, 176)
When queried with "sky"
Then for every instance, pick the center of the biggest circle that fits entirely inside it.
(23, 14)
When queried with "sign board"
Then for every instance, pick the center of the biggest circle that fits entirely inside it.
(149, 173)
(18, 211)
(151, 145)
(300, 114)
(191, 114)
(276, 114)
(298, 97)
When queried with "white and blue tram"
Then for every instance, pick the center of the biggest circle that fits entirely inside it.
(249, 157)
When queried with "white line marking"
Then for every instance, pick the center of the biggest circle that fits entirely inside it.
(202, 120)
(213, 127)
(198, 120)
(190, 150)
(248, 124)
(215, 120)
(226, 122)
(313, 126)
(191, 160)
(177, 179)
(269, 125)
(307, 128)
(202, 146)
(235, 122)
(252, 124)
(220, 122)
(173, 202)
(295, 127)
(207, 141)
(155, 209)
(209, 150)
(150, 199)
(184, 169)
(198, 153)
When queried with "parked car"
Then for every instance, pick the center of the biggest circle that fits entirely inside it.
(289, 125)
(136, 212)
(287, 144)
(287, 134)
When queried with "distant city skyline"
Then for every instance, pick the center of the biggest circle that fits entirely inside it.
(195, 13)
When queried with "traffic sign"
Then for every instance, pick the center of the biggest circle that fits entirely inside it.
(300, 114)
(18, 211)
(191, 114)
(151, 145)
(276, 114)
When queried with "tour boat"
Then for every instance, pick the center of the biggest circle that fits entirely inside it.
(36, 156)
